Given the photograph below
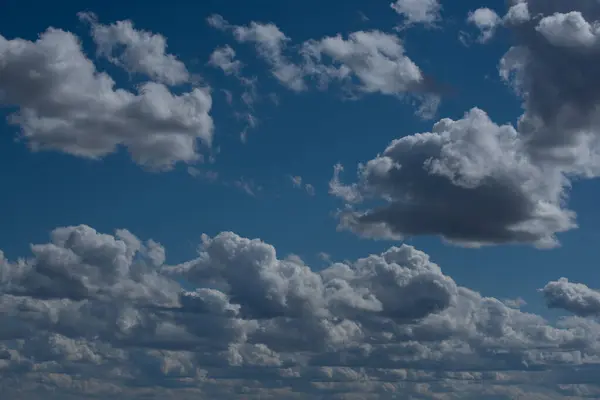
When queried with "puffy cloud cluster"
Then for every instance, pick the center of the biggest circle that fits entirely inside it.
(363, 62)
(64, 103)
(475, 182)
(92, 314)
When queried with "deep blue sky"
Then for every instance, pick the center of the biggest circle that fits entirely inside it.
(305, 135)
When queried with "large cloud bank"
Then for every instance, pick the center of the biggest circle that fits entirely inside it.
(92, 314)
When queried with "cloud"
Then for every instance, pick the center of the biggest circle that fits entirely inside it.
(425, 12)
(297, 183)
(375, 58)
(574, 297)
(224, 58)
(486, 20)
(467, 180)
(137, 51)
(549, 65)
(363, 62)
(250, 321)
(64, 103)
(270, 44)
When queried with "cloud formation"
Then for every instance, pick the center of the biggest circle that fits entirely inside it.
(486, 20)
(137, 51)
(574, 297)
(424, 12)
(91, 314)
(363, 62)
(468, 181)
(64, 103)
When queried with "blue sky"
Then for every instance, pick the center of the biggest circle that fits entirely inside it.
(304, 133)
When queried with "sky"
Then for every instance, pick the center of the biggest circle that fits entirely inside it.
(299, 200)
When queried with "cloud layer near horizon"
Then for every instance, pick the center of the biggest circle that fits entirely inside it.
(94, 314)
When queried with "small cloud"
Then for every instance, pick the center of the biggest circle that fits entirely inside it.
(247, 186)
(297, 183)
(324, 257)
(515, 303)
(210, 176)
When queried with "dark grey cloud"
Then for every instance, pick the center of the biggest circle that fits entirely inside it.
(251, 324)
(468, 181)
(551, 66)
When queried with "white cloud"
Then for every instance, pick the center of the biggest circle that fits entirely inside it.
(95, 314)
(270, 43)
(63, 103)
(224, 58)
(137, 51)
(418, 11)
(486, 20)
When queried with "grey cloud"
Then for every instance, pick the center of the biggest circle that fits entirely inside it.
(468, 181)
(64, 103)
(249, 323)
(574, 297)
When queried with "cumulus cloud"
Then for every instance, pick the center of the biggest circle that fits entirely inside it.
(92, 314)
(64, 103)
(574, 297)
(441, 182)
(549, 65)
(137, 51)
(468, 181)
(418, 11)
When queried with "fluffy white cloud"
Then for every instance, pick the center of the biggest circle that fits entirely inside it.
(467, 180)
(224, 58)
(91, 314)
(136, 50)
(64, 103)
(375, 58)
(486, 20)
(418, 11)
